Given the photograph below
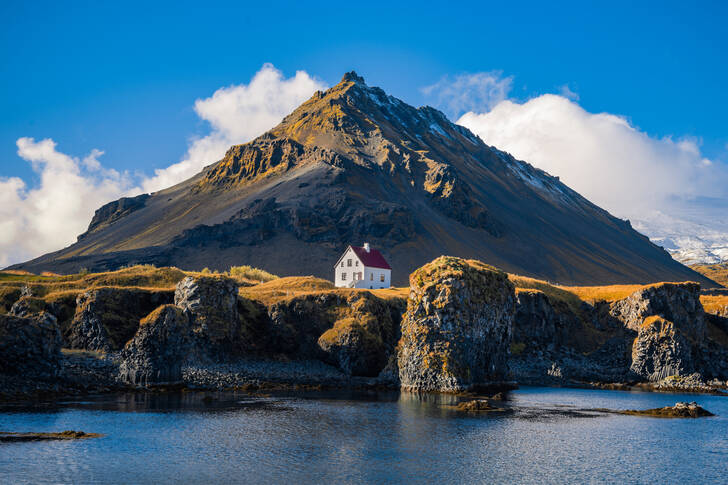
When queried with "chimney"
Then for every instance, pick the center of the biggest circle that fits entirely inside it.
(366, 247)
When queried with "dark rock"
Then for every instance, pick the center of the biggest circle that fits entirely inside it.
(27, 305)
(212, 303)
(678, 303)
(477, 405)
(661, 350)
(114, 211)
(107, 318)
(30, 347)
(457, 329)
(155, 355)
(679, 410)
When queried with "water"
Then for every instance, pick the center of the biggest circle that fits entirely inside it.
(350, 438)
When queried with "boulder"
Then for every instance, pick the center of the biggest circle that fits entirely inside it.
(107, 318)
(661, 350)
(212, 303)
(678, 303)
(30, 346)
(154, 357)
(457, 328)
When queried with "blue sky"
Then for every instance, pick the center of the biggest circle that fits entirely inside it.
(123, 78)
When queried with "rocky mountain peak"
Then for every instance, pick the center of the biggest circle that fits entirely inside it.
(352, 76)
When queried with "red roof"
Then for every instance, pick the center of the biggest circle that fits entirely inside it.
(371, 258)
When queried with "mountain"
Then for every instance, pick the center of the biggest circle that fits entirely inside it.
(353, 164)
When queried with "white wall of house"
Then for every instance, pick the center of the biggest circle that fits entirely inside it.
(350, 270)
(376, 278)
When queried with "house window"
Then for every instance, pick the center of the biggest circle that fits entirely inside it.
(342, 264)
(348, 262)
(343, 276)
(371, 276)
(356, 263)
(381, 277)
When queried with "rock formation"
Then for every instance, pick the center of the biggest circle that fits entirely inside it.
(155, 355)
(212, 303)
(30, 347)
(676, 302)
(661, 350)
(106, 318)
(457, 329)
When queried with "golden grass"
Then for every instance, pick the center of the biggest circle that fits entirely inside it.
(716, 272)
(249, 273)
(715, 303)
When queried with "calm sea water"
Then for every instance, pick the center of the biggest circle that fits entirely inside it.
(350, 438)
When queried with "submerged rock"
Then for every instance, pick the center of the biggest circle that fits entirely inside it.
(457, 329)
(30, 347)
(476, 405)
(679, 410)
(155, 355)
(9, 437)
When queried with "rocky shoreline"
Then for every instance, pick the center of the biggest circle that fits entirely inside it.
(463, 326)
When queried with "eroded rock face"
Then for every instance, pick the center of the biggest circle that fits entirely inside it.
(661, 350)
(212, 303)
(30, 346)
(457, 329)
(361, 342)
(155, 355)
(678, 303)
(107, 318)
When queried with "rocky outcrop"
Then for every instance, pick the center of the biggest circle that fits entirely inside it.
(356, 331)
(107, 318)
(676, 302)
(661, 350)
(540, 323)
(113, 211)
(154, 357)
(30, 347)
(27, 305)
(212, 303)
(457, 329)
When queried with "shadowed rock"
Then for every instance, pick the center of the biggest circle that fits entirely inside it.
(30, 346)
(157, 352)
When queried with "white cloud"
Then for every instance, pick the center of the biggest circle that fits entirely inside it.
(238, 114)
(49, 216)
(567, 92)
(482, 90)
(602, 156)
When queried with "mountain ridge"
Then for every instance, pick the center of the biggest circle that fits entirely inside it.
(353, 164)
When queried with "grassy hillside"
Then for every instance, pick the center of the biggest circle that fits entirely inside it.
(716, 272)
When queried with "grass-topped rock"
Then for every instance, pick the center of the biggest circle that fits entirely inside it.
(457, 329)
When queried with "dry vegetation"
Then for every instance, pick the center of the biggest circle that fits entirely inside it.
(716, 272)
(716, 304)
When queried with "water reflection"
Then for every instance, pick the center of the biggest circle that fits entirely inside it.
(357, 437)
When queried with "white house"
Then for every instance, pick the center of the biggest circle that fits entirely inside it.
(362, 267)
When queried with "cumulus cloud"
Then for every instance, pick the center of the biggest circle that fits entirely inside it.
(601, 155)
(236, 115)
(460, 93)
(50, 215)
